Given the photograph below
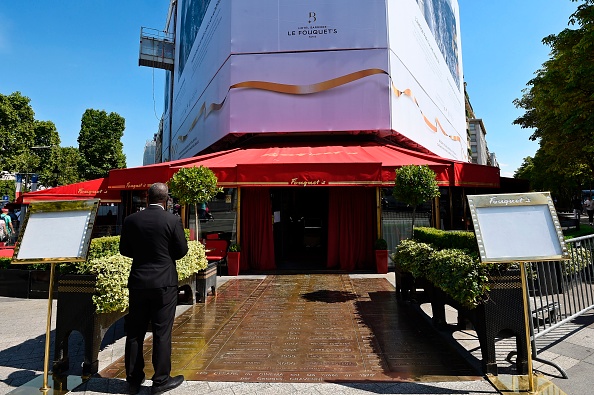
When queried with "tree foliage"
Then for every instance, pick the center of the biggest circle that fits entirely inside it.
(68, 160)
(47, 149)
(99, 143)
(559, 100)
(17, 133)
(415, 185)
(193, 185)
(562, 184)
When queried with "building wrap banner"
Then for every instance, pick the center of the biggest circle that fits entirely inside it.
(331, 65)
(426, 72)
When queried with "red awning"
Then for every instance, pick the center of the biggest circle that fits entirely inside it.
(324, 165)
(477, 176)
(91, 189)
(142, 177)
(369, 164)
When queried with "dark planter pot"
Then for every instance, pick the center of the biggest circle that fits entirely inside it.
(76, 311)
(14, 283)
(233, 263)
(502, 315)
(186, 290)
(381, 261)
(407, 286)
(405, 283)
(24, 283)
(206, 280)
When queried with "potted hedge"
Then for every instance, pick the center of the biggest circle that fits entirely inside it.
(487, 295)
(194, 185)
(233, 256)
(381, 256)
(92, 295)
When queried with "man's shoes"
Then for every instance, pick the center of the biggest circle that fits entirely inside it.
(170, 384)
(133, 388)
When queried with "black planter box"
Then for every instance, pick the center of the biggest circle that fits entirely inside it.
(76, 311)
(502, 315)
(24, 283)
(206, 280)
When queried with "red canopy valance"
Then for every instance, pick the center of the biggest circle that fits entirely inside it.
(363, 164)
(91, 189)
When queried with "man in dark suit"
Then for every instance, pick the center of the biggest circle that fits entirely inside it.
(154, 239)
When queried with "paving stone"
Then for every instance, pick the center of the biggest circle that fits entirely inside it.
(293, 329)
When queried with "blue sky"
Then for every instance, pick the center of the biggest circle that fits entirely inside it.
(69, 55)
(501, 49)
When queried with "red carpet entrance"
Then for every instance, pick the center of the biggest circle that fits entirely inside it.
(307, 328)
(300, 228)
(308, 228)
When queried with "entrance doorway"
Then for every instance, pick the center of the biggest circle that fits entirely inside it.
(300, 228)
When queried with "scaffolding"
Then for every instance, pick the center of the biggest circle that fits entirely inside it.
(157, 49)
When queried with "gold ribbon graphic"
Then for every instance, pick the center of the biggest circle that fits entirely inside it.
(316, 88)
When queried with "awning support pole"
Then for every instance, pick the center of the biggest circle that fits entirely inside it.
(238, 230)
(378, 203)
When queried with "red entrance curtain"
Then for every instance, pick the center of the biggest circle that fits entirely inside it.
(351, 228)
(257, 240)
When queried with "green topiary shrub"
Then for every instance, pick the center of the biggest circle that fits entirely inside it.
(112, 277)
(460, 275)
(413, 257)
(5, 263)
(112, 270)
(457, 272)
(380, 244)
(194, 261)
(446, 239)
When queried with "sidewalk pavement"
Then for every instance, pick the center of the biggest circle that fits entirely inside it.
(22, 343)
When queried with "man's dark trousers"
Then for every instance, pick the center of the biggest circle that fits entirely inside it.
(155, 305)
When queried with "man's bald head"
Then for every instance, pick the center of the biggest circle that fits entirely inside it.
(158, 193)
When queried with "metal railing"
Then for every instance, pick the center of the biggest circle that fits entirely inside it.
(560, 291)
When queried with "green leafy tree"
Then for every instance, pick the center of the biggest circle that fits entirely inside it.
(17, 133)
(193, 185)
(415, 185)
(7, 187)
(562, 183)
(47, 149)
(68, 160)
(559, 100)
(99, 143)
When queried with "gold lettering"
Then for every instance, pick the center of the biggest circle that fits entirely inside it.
(295, 181)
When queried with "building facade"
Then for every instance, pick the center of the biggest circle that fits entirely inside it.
(305, 111)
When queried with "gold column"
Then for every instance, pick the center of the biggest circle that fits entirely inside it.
(378, 203)
(437, 214)
(238, 230)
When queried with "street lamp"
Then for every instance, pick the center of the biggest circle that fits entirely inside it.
(55, 175)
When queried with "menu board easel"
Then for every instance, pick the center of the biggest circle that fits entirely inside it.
(54, 232)
(518, 228)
